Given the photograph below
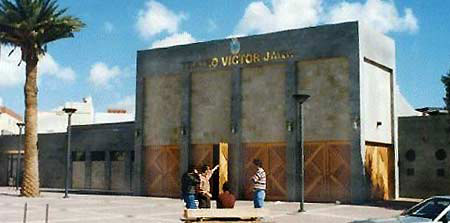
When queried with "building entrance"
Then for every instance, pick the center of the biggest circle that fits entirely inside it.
(212, 155)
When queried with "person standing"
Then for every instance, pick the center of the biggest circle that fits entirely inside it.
(189, 182)
(259, 184)
(226, 199)
(204, 191)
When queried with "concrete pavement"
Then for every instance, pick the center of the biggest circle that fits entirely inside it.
(115, 209)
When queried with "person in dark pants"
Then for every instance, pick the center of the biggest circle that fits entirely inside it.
(189, 182)
(226, 199)
(259, 185)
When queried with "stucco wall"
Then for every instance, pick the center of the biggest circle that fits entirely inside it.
(424, 136)
(327, 112)
(377, 104)
(263, 104)
(162, 110)
(210, 106)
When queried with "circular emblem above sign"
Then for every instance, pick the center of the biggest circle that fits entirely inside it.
(235, 46)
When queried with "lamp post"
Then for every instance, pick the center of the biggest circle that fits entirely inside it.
(300, 99)
(69, 112)
(18, 167)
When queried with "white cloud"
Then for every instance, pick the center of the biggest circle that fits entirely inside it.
(175, 39)
(128, 103)
(275, 15)
(108, 27)
(101, 74)
(156, 18)
(381, 15)
(1, 101)
(279, 15)
(47, 65)
(11, 74)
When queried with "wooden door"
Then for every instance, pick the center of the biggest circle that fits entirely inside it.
(223, 165)
(162, 171)
(274, 163)
(327, 171)
(379, 165)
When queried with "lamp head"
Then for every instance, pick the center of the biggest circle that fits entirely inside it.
(69, 110)
(300, 98)
(20, 124)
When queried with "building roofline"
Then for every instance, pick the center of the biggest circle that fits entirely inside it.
(10, 112)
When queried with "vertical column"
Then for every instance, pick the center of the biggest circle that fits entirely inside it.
(88, 168)
(108, 169)
(138, 183)
(185, 128)
(359, 185)
(292, 146)
(235, 150)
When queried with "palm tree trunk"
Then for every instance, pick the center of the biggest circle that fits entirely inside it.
(30, 182)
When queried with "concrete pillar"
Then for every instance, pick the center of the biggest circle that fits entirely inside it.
(292, 149)
(185, 125)
(138, 182)
(235, 148)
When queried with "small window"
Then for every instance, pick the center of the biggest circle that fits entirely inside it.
(78, 156)
(440, 172)
(410, 172)
(98, 156)
(118, 156)
(440, 154)
(132, 156)
(410, 155)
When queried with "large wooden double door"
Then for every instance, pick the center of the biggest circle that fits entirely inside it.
(327, 171)
(162, 164)
(273, 156)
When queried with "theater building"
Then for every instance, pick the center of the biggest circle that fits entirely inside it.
(230, 101)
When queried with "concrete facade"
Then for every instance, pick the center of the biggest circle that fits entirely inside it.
(102, 157)
(423, 155)
(203, 93)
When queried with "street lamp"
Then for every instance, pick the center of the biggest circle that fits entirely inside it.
(69, 112)
(18, 167)
(301, 98)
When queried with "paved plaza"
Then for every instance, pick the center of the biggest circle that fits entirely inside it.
(119, 209)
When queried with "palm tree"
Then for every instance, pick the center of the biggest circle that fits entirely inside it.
(30, 25)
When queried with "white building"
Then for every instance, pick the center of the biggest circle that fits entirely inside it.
(56, 120)
(8, 121)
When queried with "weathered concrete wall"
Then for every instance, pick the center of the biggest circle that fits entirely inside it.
(327, 112)
(86, 139)
(98, 175)
(162, 110)
(263, 104)
(210, 105)
(78, 174)
(424, 155)
(118, 176)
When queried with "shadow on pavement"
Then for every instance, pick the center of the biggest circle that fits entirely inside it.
(401, 204)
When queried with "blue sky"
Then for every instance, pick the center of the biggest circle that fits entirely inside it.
(100, 60)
